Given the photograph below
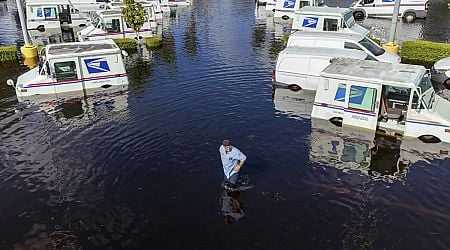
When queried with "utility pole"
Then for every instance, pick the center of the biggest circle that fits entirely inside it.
(28, 50)
(391, 45)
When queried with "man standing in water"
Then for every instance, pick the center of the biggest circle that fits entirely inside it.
(232, 161)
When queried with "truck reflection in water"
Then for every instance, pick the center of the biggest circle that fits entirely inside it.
(83, 107)
(350, 149)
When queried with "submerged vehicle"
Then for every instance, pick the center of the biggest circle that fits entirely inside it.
(397, 99)
(51, 14)
(74, 67)
(110, 24)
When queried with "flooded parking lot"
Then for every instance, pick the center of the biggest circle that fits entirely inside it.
(140, 168)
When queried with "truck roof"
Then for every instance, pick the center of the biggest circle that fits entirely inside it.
(109, 12)
(331, 35)
(318, 51)
(47, 2)
(80, 49)
(312, 10)
(404, 75)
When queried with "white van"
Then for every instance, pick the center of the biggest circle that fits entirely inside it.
(285, 9)
(74, 67)
(300, 67)
(409, 9)
(398, 99)
(312, 18)
(110, 24)
(343, 40)
(53, 14)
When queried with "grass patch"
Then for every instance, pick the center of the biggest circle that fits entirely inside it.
(154, 42)
(126, 44)
(8, 53)
(424, 53)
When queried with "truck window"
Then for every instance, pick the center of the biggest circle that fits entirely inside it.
(371, 46)
(66, 71)
(362, 98)
(368, 1)
(50, 13)
(39, 12)
(340, 93)
(348, 45)
(349, 20)
(113, 25)
(330, 24)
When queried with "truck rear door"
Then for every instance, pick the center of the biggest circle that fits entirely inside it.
(362, 105)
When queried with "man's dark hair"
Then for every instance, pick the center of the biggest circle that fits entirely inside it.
(226, 143)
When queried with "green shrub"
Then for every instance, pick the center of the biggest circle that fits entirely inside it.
(8, 53)
(126, 44)
(424, 53)
(285, 38)
(153, 42)
(376, 40)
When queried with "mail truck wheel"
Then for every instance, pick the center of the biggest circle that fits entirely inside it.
(429, 139)
(294, 87)
(447, 83)
(358, 15)
(409, 17)
(285, 17)
(41, 28)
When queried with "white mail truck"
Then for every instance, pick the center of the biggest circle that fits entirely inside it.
(397, 99)
(74, 66)
(311, 18)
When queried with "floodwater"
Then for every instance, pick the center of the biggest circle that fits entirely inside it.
(140, 169)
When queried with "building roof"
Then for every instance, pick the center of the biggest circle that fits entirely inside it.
(329, 35)
(374, 72)
(64, 49)
(323, 10)
(319, 51)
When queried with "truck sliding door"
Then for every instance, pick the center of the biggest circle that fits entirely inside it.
(362, 105)
(67, 74)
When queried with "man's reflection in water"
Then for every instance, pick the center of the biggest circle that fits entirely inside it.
(231, 206)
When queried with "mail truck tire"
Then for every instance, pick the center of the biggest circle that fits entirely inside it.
(429, 139)
(447, 84)
(358, 15)
(337, 121)
(294, 87)
(285, 17)
(41, 28)
(409, 17)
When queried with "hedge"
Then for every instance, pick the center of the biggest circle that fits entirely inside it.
(127, 44)
(8, 53)
(153, 42)
(424, 53)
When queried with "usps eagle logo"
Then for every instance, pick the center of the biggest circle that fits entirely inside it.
(310, 22)
(96, 65)
(289, 4)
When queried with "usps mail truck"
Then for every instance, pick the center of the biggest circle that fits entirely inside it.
(74, 66)
(311, 18)
(397, 99)
(409, 9)
(285, 9)
(110, 24)
(53, 14)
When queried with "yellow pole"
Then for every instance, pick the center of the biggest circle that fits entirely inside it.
(28, 50)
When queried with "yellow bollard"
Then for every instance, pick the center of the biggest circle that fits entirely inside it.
(28, 51)
(31, 62)
(391, 47)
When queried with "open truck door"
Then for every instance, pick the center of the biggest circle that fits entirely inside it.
(362, 105)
